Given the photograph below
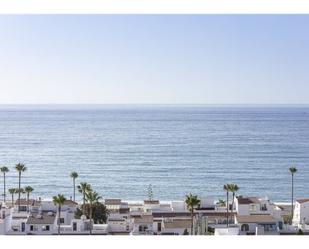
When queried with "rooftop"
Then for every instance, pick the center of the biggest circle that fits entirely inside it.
(25, 202)
(41, 219)
(112, 201)
(70, 203)
(247, 200)
(285, 208)
(255, 219)
(124, 210)
(143, 219)
(210, 213)
(151, 202)
(178, 223)
(302, 200)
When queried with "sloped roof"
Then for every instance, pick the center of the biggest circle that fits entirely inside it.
(166, 214)
(41, 219)
(112, 201)
(302, 200)
(247, 200)
(143, 219)
(255, 219)
(151, 202)
(70, 203)
(177, 223)
(25, 202)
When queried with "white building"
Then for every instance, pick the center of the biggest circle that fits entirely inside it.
(82, 227)
(227, 231)
(142, 224)
(175, 226)
(257, 224)
(44, 224)
(4, 219)
(118, 225)
(254, 205)
(207, 204)
(257, 216)
(35, 217)
(301, 213)
(178, 206)
(257, 206)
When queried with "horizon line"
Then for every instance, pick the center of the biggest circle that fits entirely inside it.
(155, 104)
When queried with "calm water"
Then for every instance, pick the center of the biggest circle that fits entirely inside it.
(120, 150)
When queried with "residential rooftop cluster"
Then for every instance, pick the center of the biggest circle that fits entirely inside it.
(248, 216)
(238, 215)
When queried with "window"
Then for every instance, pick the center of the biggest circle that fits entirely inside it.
(280, 225)
(23, 208)
(33, 228)
(142, 228)
(252, 207)
(61, 220)
(264, 207)
(159, 227)
(269, 227)
(74, 226)
(244, 227)
(45, 228)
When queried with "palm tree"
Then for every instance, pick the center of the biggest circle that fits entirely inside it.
(4, 170)
(19, 191)
(59, 201)
(92, 197)
(74, 175)
(227, 188)
(12, 191)
(192, 201)
(292, 170)
(20, 168)
(221, 203)
(28, 190)
(233, 188)
(82, 188)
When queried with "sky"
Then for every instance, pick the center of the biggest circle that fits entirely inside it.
(154, 59)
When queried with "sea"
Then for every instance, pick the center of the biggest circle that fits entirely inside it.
(177, 149)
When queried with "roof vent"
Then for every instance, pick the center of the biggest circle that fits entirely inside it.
(39, 216)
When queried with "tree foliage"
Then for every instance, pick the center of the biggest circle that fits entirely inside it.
(300, 232)
(99, 212)
(150, 192)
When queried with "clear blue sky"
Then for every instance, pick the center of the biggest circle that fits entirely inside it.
(154, 59)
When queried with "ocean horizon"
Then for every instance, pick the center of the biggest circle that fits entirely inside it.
(185, 148)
